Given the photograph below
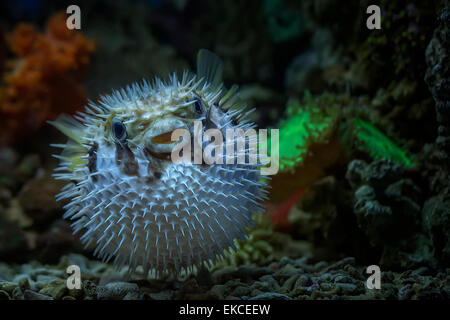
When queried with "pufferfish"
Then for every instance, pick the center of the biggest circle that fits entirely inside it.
(135, 205)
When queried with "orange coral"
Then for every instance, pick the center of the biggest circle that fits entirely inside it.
(45, 77)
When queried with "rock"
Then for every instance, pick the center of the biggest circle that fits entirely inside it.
(17, 294)
(89, 288)
(270, 280)
(271, 296)
(340, 278)
(8, 159)
(241, 291)
(341, 263)
(224, 274)
(31, 295)
(5, 196)
(56, 290)
(24, 281)
(37, 197)
(12, 238)
(355, 172)
(289, 284)
(163, 295)
(303, 280)
(347, 289)
(381, 173)
(134, 295)
(218, 291)
(4, 295)
(262, 286)
(116, 290)
(286, 272)
(8, 286)
(6, 272)
(436, 222)
(27, 167)
(405, 292)
(375, 219)
(57, 240)
(365, 193)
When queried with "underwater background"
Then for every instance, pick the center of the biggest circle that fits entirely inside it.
(364, 119)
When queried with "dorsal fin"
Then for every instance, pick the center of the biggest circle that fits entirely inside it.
(209, 67)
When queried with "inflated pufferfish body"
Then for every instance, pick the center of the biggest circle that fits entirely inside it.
(132, 202)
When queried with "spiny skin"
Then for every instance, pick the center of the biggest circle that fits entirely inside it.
(137, 207)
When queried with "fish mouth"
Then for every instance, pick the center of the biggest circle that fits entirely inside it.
(158, 139)
(164, 138)
(161, 143)
(159, 155)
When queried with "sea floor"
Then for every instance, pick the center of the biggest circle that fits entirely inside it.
(285, 279)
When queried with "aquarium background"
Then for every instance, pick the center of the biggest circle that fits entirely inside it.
(364, 119)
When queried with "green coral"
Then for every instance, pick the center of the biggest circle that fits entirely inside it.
(313, 122)
(378, 145)
(303, 126)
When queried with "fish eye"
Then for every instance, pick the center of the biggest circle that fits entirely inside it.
(119, 131)
(198, 106)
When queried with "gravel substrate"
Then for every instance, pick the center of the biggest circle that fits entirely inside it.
(286, 279)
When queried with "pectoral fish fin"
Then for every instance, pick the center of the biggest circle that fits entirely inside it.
(69, 126)
(73, 150)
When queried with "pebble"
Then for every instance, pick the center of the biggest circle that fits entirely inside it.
(286, 272)
(23, 281)
(17, 294)
(31, 295)
(56, 290)
(4, 295)
(346, 288)
(241, 291)
(218, 291)
(289, 283)
(405, 292)
(303, 280)
(116, 290)
(342, 279)
(8, 286)
(271, 296)
(163, 295)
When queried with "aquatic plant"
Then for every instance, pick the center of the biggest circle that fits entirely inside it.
(44, 77)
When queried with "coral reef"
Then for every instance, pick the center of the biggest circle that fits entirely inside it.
(387, 206)
(438, 79)
(44, 78)
(326, 131)
(377, 144)
(364, 174)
